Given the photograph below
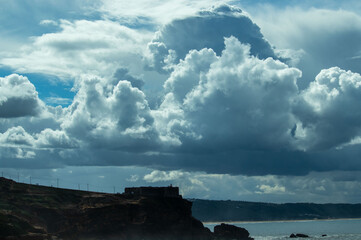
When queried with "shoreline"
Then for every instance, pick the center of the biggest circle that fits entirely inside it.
(280, 221)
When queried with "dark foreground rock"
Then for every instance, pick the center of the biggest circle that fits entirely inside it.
(228, 232)
(30, 212)
(299, 235)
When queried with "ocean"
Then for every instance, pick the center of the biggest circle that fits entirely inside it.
(343, 229)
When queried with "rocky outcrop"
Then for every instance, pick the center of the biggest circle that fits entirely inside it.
(144, 218)
(29, 212)
(299, 235)
(230, 232)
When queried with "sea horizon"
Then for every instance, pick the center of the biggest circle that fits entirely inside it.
(280, 221)
(335, 229)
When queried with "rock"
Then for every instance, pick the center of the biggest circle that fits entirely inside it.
(228, 232)
(324, 235)
(299, 235)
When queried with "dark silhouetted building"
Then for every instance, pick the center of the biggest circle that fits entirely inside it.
(172, 192)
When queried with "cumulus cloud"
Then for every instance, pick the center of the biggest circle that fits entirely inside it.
(162, 176)
(188, 182)
(18, 97)
(329, 110)
(110, 116)
(235, 101)
(16, 136)
(206, 30)
(326, 37)
(16, 143)
(227, 105)
(49, 138)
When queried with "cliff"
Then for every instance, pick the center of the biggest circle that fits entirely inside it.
(38, 213)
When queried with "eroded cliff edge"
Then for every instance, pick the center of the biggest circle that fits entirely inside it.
(38, 212)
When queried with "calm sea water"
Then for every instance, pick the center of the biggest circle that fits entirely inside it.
(349, 229)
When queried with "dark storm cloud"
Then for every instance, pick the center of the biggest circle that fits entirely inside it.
(18, 107)
(207, 30)
(237, 162)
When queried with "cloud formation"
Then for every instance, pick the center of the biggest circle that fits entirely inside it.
(327, 38)
(223, 102)
(329, 110)
(227, 104)
(18, 97)
(206, 30)
(49, 138)
(123, 74)
(110, 116)
(16, 136)
(143, 12)
(73, 51)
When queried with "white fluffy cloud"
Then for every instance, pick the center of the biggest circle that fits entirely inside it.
(230, 102)
(18, 97)
(81, 47)
(162, 176)
(15, 144)
(110, 116)
(16, 136)
(49, 138)
(329, 110)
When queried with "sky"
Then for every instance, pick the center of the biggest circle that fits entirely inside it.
(241, 100)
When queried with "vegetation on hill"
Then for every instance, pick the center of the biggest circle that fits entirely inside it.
(210, 210)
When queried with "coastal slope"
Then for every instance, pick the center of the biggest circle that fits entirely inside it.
(38, 212)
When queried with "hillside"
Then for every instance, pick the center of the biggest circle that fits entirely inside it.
(209, 210)
(38, 212)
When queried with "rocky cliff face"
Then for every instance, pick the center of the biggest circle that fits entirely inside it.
(226, 231)
(37, 212)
